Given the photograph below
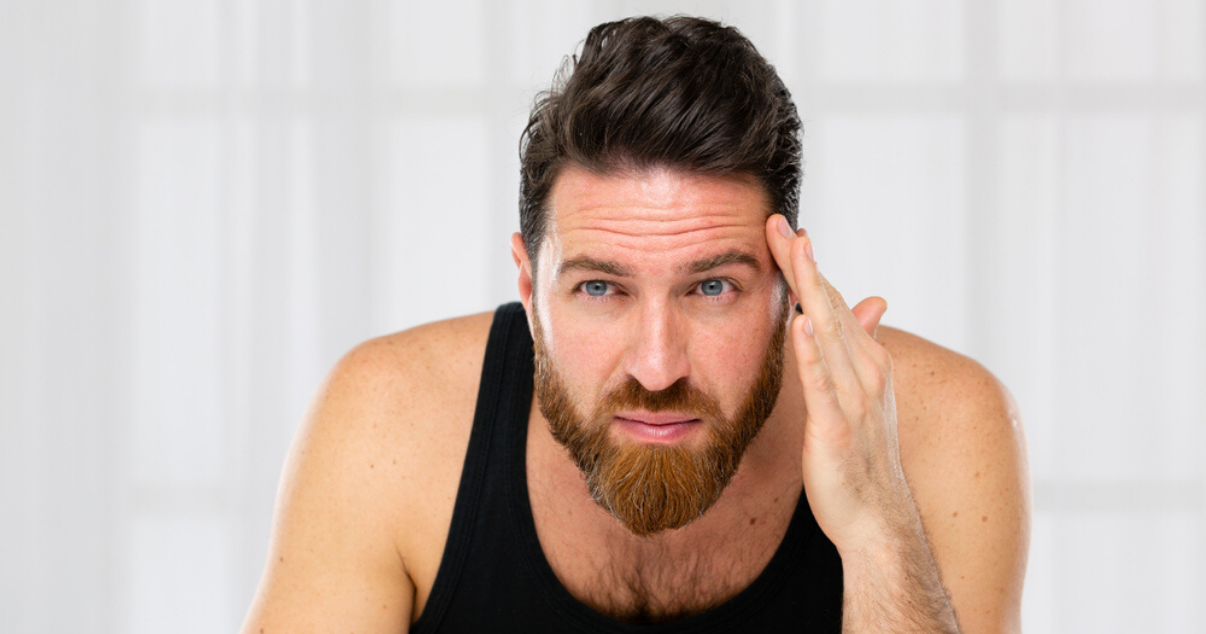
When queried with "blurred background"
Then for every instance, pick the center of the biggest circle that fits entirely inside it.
(204, 203)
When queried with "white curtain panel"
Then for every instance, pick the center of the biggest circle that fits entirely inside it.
(204, 203)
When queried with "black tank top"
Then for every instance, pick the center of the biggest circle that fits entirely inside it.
(494, 577)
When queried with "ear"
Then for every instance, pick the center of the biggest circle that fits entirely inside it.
(519, 253)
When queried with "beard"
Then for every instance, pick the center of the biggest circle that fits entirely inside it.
(652, 488)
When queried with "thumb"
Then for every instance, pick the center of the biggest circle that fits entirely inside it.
(868, 313)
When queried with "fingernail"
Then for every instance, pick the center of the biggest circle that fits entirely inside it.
(808, 250)
(807, 326)
(784, 229)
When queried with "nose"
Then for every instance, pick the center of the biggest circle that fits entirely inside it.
(657, 356)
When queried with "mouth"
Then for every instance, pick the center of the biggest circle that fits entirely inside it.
(661, 428)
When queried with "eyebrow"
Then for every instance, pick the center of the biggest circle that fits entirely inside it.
(729, 257)
(584, 263)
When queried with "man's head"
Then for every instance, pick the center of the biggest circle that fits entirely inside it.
(658, 313)
(681, 92)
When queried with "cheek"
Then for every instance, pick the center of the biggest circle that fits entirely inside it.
(726, 359)
(586, 353)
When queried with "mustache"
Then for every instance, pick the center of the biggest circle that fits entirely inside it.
(681, 397)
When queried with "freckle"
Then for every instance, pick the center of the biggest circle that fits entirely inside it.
(395, 462)
(955, 514)
(371, 466)
(752, 520)
(977, 475)
(282, 560)
(984, 519)
(776, 498)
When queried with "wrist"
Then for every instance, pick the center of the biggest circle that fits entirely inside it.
(881, 554)
(886, 537)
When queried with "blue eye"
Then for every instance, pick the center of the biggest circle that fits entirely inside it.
(712, 288)
(595, 288)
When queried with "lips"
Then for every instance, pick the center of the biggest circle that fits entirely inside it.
(656, 418)
(657, 428)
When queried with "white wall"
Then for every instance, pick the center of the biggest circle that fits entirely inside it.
(203, 203)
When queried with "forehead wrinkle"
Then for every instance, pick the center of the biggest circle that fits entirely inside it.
(641, 233)
(666, 218)
(718, 246)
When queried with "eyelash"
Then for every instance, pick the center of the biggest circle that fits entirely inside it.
(600, 298)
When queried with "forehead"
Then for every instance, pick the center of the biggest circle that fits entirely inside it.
(656, 212)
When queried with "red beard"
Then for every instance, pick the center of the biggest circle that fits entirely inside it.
(651, 488)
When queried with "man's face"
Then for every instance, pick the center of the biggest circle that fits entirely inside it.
(658, 317)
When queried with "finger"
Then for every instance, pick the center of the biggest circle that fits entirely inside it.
(856, 333)
(780, 248)
(825, 416)
(866, 360)
(827, 325)
(869, 312)
(869, 359)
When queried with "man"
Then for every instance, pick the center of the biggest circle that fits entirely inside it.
(653, 436)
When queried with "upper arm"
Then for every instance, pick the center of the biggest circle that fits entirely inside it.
(963, 452)
(333, 563)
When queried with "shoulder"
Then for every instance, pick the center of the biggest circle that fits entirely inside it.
(962, 447)
(943, 387)
(367, 472)
(955, 419)
(387, 432)
(385, 396)
(419, 369)
(405, 403)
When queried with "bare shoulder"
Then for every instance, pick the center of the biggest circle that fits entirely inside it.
(413, 377)
(387, 398)
(963, 451)
(419, 391)
(372, 472)
(927, 365)
(945, 398)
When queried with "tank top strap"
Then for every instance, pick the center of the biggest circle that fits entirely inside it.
(501, 390)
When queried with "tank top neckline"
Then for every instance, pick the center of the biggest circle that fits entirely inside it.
(801, 529)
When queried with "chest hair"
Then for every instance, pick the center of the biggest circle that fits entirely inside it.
(650, 582)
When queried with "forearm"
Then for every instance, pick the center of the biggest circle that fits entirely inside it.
(896, 588)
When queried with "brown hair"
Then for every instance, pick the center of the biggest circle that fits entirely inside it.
(678, 92)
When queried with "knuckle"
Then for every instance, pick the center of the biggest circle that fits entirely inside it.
(821, 381)
(878, 380)
(882, 358)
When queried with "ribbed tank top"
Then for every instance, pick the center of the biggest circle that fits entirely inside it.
(494, 577)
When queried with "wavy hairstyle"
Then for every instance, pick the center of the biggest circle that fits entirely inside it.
(678, 92)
